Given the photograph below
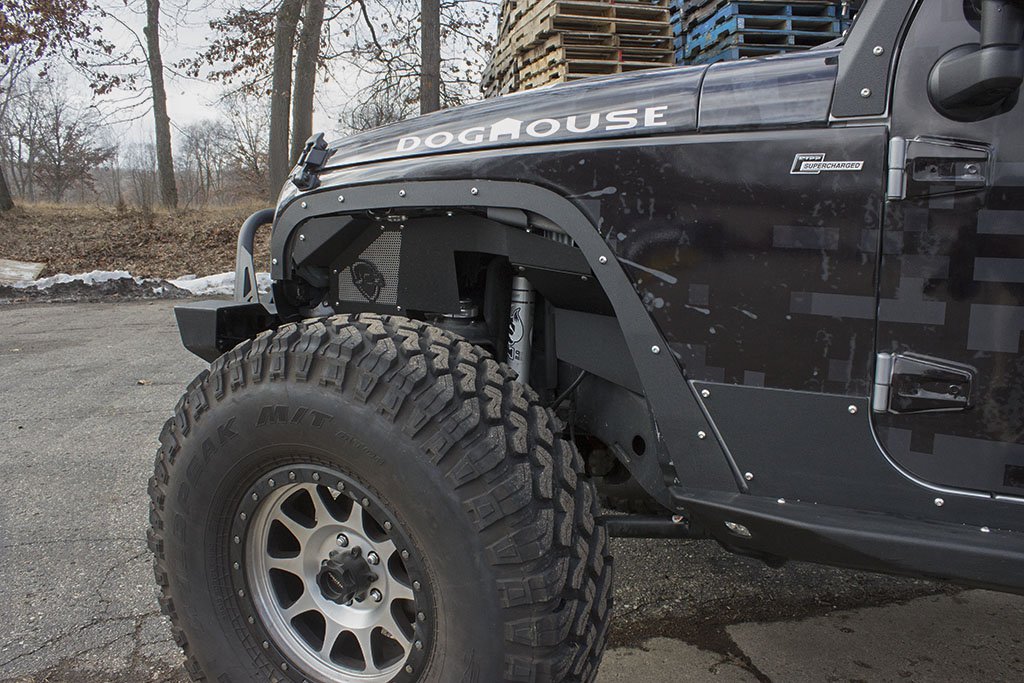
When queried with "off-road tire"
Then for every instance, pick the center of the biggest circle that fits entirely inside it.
(437, 431)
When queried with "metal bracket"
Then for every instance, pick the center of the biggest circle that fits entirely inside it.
(314, 155)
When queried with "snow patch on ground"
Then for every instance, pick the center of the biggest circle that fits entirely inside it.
(91, 278)
(215, 285)
(120, 284)
(211, 285)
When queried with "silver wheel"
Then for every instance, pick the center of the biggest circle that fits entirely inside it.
(328, 582)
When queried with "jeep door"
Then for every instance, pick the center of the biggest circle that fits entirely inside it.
(949, 394)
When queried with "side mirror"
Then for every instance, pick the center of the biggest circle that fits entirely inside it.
(974, 82)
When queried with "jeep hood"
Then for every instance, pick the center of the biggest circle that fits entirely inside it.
(644, 103)
(779, 91)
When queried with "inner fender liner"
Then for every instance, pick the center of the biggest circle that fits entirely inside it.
(428, 277)
(622, 420)
(699, 463)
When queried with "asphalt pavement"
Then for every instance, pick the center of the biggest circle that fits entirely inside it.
(85, 389)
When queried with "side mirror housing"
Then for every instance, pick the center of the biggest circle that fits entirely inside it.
(973, 82)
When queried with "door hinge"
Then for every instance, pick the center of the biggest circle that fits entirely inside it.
(314, 155)
(883, 377)
(896, 188)
(930, 167)
(909, 383)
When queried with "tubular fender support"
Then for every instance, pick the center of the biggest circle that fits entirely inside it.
(246, 289)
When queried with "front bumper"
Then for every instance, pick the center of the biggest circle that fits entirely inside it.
(211, 328)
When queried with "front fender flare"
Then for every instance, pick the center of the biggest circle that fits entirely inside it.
(697, 462)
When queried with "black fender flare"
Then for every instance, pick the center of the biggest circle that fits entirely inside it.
(691, 447)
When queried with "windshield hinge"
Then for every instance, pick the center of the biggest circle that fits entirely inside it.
(897, 183)
(314, 155)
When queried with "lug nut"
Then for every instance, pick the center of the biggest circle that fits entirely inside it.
(375, 595)
(372, 558)
(343, 540)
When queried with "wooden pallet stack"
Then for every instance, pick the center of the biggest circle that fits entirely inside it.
(548, 41)
(708, 31)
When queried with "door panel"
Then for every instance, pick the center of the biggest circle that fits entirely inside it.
(954, 254)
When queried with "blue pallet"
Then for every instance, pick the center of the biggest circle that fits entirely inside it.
(783, 14)
(720, 10)
(702, 40)
(777, 39)
(741, 28)
(733, 53)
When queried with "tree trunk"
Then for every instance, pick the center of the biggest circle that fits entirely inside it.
(306, 61)
(6, 201)
(164, 157)
(281, 92)
(430, 56)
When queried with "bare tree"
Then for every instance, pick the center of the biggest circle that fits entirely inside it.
(61, 150)
(248, 133)
(154, 60)
(31, 32)
(285, 23)
(6, 200)
(203, 158)
(21, 127)
(253, 49)
(307, 62)
(379, 110)
(14, 64)
(430, 56)
(140, 160)
(392, 56)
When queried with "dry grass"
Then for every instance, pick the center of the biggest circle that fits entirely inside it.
(75, 239)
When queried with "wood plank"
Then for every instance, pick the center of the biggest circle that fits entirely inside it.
(16, 271)
(546, 41)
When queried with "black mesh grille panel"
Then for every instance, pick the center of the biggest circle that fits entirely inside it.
(373, 277)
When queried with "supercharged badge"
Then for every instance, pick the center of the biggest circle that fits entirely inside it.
(815, 163)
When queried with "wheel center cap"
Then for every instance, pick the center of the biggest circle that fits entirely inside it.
(345, 577)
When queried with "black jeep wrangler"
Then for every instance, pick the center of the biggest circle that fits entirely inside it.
(780, 299)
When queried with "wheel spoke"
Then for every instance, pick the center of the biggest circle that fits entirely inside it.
(300, 532)
(322, 513)
(385, 549)
(399, 591)
(389, 624)
(355, 519)
(331, 633)
(303, 604)
(292, 565)
(364, 637)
